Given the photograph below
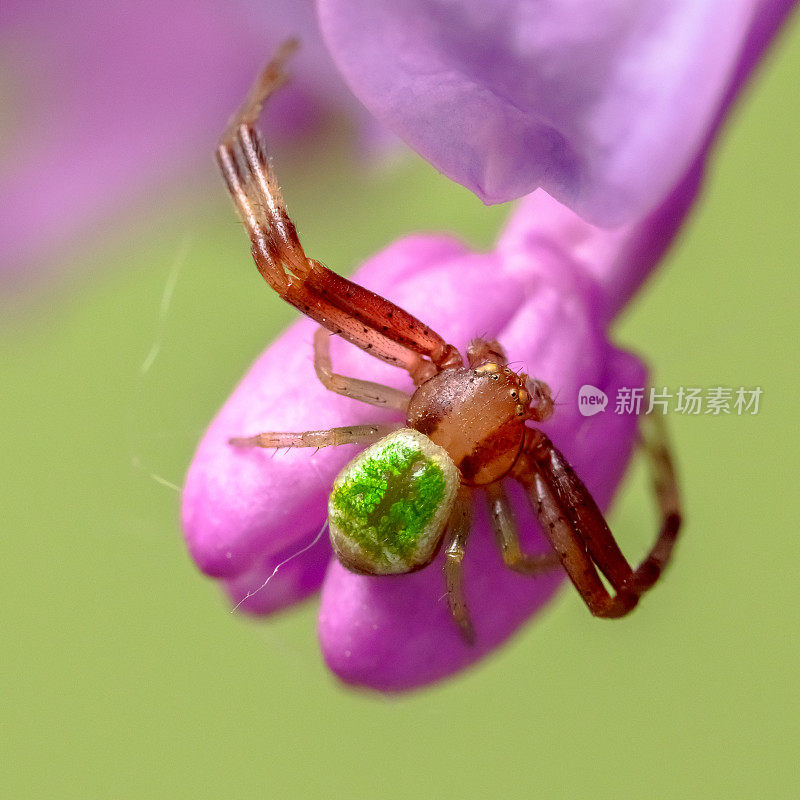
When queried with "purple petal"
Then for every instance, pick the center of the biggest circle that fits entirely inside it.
(604, 105)
(618, 259)
(109, 102)
(621, 259)
(283, 579)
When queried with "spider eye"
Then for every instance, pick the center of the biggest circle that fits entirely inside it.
(495, 377)
(514, 394)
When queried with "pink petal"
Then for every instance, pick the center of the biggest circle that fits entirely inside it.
(621, 259)
(604, 105)
(281, 580)
(618, 259)
(110, 102)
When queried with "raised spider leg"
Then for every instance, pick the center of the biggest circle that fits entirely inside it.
(353, 434)
(507, 536)
(578, 531)
(343, 307)
(376, 394)
(457, 533)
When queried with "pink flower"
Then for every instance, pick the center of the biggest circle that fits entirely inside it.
(548, 292)
(246, 511)
(109, 102)
(602, 104)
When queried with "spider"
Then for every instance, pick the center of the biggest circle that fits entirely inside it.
(466, 431)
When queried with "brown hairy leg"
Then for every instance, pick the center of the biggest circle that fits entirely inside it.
(579, 533)
(373, 393)
(362, 317)
(571, 549)
(482, 352)
(654, 441)
(376, 394)
(507, 536)
(458, 529)
(352, 434)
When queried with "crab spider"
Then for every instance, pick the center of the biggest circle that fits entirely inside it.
(466, 431)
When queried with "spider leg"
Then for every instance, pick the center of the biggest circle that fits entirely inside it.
(376, 394)
(653, 437)
(457, 532)
(353, 434)
(583, 515)
(343, 307)
(482, 352)
(507, 536)
(569, 545)
(579, 533)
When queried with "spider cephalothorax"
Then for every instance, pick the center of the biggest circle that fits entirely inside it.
(478, 413)
(465, 431)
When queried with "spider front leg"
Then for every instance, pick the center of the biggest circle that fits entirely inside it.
(362, 317)
(571, 549)
(579, 533)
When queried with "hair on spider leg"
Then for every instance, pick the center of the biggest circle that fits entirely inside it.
(556, 396)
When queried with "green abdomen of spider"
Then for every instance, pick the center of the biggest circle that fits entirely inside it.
(389, 505)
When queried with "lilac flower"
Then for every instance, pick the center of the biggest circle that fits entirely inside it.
(110, 101)
(603, 104)
(246, 511)
(547, 291)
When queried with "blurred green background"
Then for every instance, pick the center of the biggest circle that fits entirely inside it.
(125, 677)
